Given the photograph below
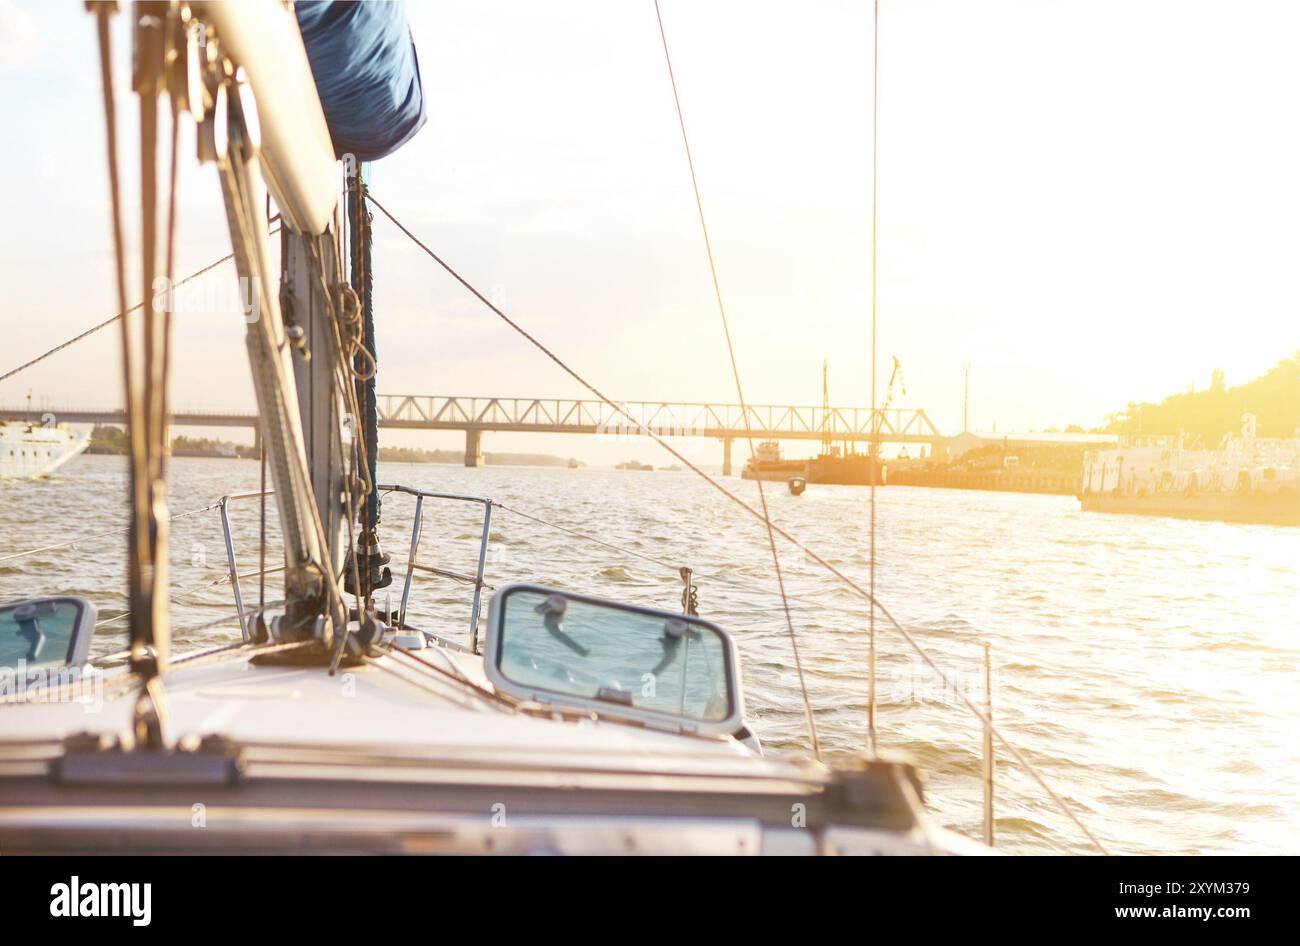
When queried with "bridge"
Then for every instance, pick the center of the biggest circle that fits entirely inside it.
(478, 415)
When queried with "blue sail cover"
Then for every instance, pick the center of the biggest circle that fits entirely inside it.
(363, 59)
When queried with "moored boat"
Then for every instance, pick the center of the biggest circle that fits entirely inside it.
(845, 468)
(1247, 480)
(768, 464)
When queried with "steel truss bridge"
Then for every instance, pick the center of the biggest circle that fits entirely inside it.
(478, 415)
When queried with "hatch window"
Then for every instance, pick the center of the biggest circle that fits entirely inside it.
(46, 631)
(618, 659)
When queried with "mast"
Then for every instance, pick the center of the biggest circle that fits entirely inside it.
(282, 340)
(242, 72)
(319, 402)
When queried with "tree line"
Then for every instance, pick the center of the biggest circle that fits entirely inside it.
(1210, 415)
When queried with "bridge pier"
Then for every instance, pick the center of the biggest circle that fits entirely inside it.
(726, 456)
(473, 447)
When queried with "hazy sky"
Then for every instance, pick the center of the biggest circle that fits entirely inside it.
(1091, 202)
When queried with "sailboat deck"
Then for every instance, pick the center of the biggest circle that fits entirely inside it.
(395, 756)
(392, 707)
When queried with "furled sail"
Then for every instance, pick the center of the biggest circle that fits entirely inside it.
(367, 75)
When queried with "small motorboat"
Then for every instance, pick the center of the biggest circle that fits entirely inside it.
(796, 484)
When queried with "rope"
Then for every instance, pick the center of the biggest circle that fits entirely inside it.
(127, 681)
(587, 537)
(362, 276)
(690, 594)
(195, 589)
(99, 535)
(139, 543)
(663, 563)
(740, 394)
(873, 467)
(261, 533)
(109, 321)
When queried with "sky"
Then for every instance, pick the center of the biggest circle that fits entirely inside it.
(1090, 202)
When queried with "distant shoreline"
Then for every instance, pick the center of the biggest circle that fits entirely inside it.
(452, 458)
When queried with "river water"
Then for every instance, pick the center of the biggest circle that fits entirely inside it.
(1146, 667)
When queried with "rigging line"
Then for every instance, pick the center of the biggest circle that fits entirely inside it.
(109, 321)
(240, 179)
(733, 497)
(138, 543)
(195, 589)
(116, 686)
(666, 565)
(874, 466)
(490, 695)
(171, 595)
(100, 535)
(261, 585)
(740, 394)
(164, 371)
(261, 443)
(590, 538)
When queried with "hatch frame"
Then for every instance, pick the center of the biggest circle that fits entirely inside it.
(730, 725)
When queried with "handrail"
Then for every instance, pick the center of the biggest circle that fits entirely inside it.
(453, 575)
(222, 504)
(98, 535)
(417, 529)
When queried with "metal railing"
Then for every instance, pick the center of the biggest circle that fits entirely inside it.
(412, 566)
(223, 504)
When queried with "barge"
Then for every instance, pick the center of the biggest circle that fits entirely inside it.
(1248, 480)
(833, 466)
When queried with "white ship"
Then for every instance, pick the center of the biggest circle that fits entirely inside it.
(30, 450)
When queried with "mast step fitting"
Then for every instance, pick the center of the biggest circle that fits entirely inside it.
(371, 560)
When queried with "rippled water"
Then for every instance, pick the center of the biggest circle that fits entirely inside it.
(1145, 666)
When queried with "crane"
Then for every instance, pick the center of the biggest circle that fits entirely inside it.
(895, 375)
